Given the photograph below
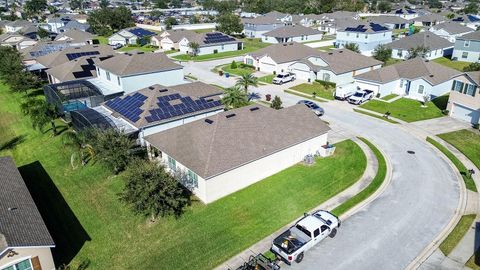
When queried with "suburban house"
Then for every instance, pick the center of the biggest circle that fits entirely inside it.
(392, 22)
(169, 40)
(414, 78)
(130, 36)
(331, 27)
(450, 30)
(17, 25)
(277, 58)
(429, 20)
(407, 14)
(25, 240)
(228, 151)
(153, 109)
(80, 68)
(68, 54)
(337, 66)
(307, 20)
(75, 35)
(130, 72)
(464, 99)
(74, 25)
(290, 33)
(64, 23)
(209, 43)
(41, 48)
(467, 48)
(16, 41)
(367, 35)
(256, 27)
(437, 46)
(471, 21)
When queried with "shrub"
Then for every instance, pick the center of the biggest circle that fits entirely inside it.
(233, 65)
(327, 84)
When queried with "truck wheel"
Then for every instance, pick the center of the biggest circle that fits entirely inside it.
(299, 258)
(333, 233)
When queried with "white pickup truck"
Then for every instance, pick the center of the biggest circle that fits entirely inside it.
(360, 97)
(311, 229)
(284, 78)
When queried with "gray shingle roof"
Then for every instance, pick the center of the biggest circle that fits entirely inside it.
(76, 35)
(292, 31)
(286, 52)
(22, 225)
(342, 61)
(471, 36)
(427, 39)
(60, 57)
(367, 27)
(411, 69)
(227, 143)
(433, 17)
(387, 19)
(179, 34)
(131, 64)
(452, 28)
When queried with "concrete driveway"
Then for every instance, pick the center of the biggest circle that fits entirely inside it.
(413, 210)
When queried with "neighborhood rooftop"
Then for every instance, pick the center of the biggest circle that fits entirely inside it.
(471, 36)
(452, 28)
(71, 53)
(286, 52)
(129, 64)
(426, 39)
(292, 31)
(341, 61)
(233, 138)
(369, 27)
(21, 224)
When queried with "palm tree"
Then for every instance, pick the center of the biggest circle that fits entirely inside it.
(78, 142)
(234, 97)
(41, 113)
(194, 47)
(247, 80)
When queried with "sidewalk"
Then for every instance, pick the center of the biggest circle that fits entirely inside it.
(364, 181)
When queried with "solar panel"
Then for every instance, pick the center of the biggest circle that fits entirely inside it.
(129, 106)
(140, 32)
(73, 56)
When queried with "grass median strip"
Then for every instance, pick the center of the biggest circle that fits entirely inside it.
(303, 95)
(469, 183)
(371, 188)
(457, 234)
(376, 116)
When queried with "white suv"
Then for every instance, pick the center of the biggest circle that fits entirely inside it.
(283, 78)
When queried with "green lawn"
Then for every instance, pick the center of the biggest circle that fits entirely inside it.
(320, 90)
(138, 48)
(90, 222)
(469, 183)
(376, 116)
(457, 234)
(391, 61)
(458, 65)
(249, 45)
(102, 39)
(467, 142)
(266, 78)
(326, 48)
(239, 71)
(409, 110)
(474, 261)
(388, 97)
(170, 51)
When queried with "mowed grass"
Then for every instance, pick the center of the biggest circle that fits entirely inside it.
(469, 183)
(266, 78)
(458, 65)
(89, 222)
(239, 71)
(388, 97)
(457, 234)
(467, 142)
(249, 45)
(409, 110)
(317, 88)
(145, 48)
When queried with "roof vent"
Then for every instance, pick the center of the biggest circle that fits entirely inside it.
(151, 87)
(12, 208)
(208, 121)
(140, 52)
(285, 44)
(340, 51)
(431, 75)
(330, 53)
(254, 109)
(230, 115)
(163, 90)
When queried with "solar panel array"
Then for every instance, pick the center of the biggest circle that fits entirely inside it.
(458, 19)
(378, 27)
(129, 106)
(184, 105)
(141, 32)
(217, 37)
(73, 56)
(48, 48)
(360, 28)
(473, 18)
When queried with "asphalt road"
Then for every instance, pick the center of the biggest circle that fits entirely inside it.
(391, 231)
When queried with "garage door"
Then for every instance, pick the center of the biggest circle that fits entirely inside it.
(301, 74)
(267, 67)
(466, 114)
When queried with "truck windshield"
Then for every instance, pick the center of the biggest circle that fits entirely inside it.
(305, 231)
(358, 94)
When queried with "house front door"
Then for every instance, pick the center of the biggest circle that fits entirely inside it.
(407, 88)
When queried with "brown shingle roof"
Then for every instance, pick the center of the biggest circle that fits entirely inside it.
(411, 69)
(426, 39)
(76, 35)
(342, 61)
(130, 64)
(210, 149)
(60, 57)
(177, 35)
(292, 31)
(21, 224)
(471, 36)
(286, 52)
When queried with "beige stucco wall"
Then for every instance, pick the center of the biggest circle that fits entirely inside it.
(44, 254)
(463, 99)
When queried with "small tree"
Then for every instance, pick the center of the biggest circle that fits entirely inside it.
(426, 98)
(169, 22)
(276, 103)
(352, 47)
(42, 33)
(384, 6)
(194, 47)
(472, 67)
(41, 113)
(151, 191)
(234, 97)
(382, 53)
(246, 80)
(233, 65)
(419, 51)
(229, 23)
(81, 148)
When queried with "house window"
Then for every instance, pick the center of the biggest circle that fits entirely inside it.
(466, 43)
(118, 80)
(464, 54)
(348, 34)
(326, 77)
(23, 265)
(192, 178)
(98, 72)
(172, 164)
(457, 86)
(223, 47)
(357, 35)
(420, 89)
(401, 83)
(470, 90)
(366, 36)
(399, 53)
(108, 75)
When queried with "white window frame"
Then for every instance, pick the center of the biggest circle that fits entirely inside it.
(108, 75)
(466, 43)
(464, 55)
(17, 262)
(421, 89)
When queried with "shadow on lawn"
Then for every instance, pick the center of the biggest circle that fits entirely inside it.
(11, 144)
(441, 102)
(66, 230)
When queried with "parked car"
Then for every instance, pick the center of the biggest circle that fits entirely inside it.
(319, 111)
(284, 78)
(360, 97)
(291, 245)
(117, 46)
(342, 92)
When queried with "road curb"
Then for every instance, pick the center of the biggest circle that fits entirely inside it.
(459, 211)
